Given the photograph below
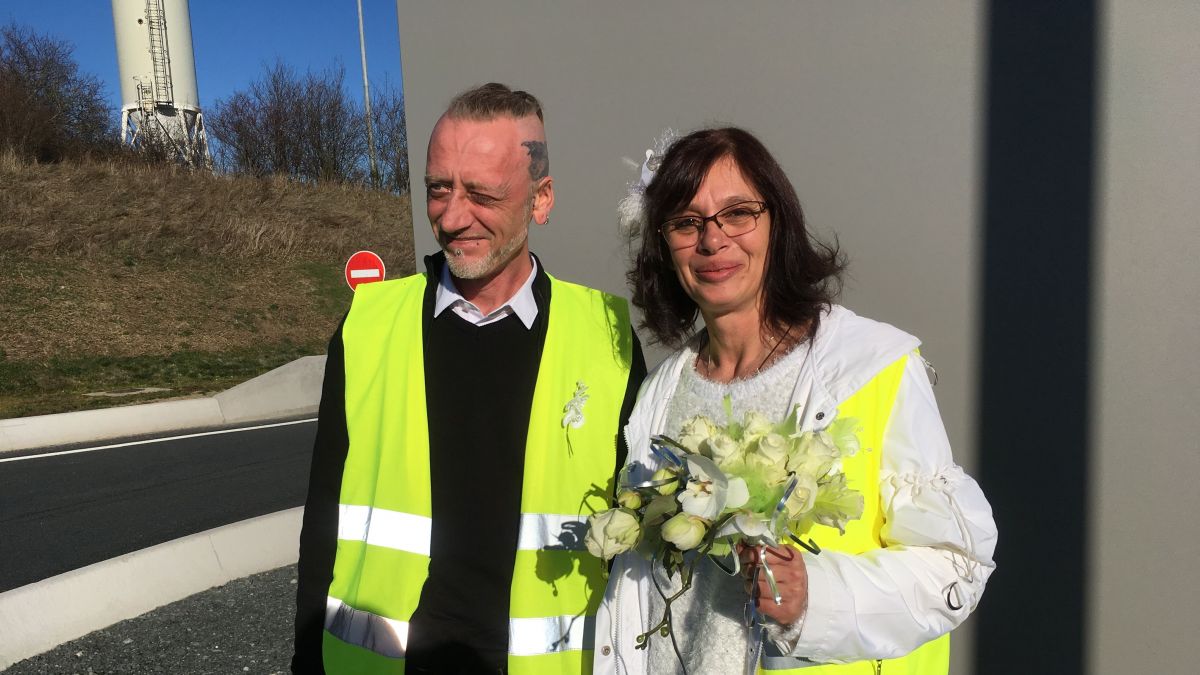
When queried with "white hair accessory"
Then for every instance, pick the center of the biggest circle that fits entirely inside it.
(631, 211)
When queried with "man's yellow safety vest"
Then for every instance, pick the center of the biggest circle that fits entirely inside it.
(384, 519)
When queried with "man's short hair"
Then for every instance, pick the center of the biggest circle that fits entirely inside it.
(492, 100)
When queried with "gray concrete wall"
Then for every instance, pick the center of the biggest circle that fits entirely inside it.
(1145, 457)
(873, 108)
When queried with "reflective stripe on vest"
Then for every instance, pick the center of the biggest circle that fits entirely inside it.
(872, 407)
(385, 518)
(384, 636)
(406, 532)
(546, 530)
(546, 635)
(389, 529)
(388, 637)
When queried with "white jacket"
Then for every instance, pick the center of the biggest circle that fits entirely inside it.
(938, 530)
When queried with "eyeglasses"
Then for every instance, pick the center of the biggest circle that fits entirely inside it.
(734, 220)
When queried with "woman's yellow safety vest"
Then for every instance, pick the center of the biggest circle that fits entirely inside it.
(384, 519)
(872, 407)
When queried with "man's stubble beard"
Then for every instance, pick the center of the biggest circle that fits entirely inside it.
(488, 264)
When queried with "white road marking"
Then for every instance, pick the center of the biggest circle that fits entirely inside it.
(157, 440)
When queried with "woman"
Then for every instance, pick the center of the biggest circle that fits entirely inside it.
(724, 238)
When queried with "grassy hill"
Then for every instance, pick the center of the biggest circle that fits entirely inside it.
(117, 276)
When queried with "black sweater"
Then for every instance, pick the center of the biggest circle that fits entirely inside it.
(479, 388)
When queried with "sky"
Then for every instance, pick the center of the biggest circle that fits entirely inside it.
(234, 40)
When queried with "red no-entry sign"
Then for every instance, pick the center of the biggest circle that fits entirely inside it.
(364, 267)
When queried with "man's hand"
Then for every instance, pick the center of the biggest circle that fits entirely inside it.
(791, 578)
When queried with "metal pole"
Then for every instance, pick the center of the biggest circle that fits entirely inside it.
(362, 44)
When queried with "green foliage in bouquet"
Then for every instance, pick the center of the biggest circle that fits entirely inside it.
(750, 482)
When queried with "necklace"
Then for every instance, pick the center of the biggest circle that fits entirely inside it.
(706, 359)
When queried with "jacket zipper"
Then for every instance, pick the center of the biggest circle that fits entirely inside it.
(656, 422)
(616, 620)
(878, 666)
(628, 447)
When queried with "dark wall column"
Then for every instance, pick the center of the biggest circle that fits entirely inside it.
(1036, 341)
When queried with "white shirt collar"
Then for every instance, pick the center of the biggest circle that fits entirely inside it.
(522, 303)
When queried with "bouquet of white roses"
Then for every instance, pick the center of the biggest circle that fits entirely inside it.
(751, 482)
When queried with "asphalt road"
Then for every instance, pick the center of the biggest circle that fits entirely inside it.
(63, 509)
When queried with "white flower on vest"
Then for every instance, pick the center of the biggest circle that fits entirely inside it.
(574, 408)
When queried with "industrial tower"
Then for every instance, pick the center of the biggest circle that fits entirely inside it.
(160, 106)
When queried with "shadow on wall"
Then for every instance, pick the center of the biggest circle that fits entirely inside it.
(1036, 333)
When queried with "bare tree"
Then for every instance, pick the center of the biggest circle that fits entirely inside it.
(332, 128)
(309, 128)
(254, 129)
(49, 110)
(306, 128)
(391, 131)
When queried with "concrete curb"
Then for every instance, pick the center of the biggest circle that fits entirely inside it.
(293, 389)
(290, 390)
(45, 614)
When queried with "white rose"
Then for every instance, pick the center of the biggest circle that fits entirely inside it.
(611, 532)
(771, 473)
(629, 499)
(684, 531)
(803, 496)
(722, 449)
(774, 447)
(813, 454)
(668, 488)
(756, 425)
(695, 431)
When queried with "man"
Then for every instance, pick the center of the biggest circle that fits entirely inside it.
(470, 421)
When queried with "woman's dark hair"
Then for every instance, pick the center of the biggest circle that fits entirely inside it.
(802, 276)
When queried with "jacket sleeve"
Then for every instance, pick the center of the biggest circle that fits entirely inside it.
(318, 535)
(939, 539)
(637, 373)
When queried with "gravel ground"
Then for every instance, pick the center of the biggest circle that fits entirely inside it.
(244, 626)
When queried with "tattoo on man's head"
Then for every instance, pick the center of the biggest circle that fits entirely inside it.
(539, 161)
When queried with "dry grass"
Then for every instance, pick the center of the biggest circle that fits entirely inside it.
(100, 306)
(110, 261)
(91, 208)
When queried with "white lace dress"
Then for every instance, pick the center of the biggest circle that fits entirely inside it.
(709, 620)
